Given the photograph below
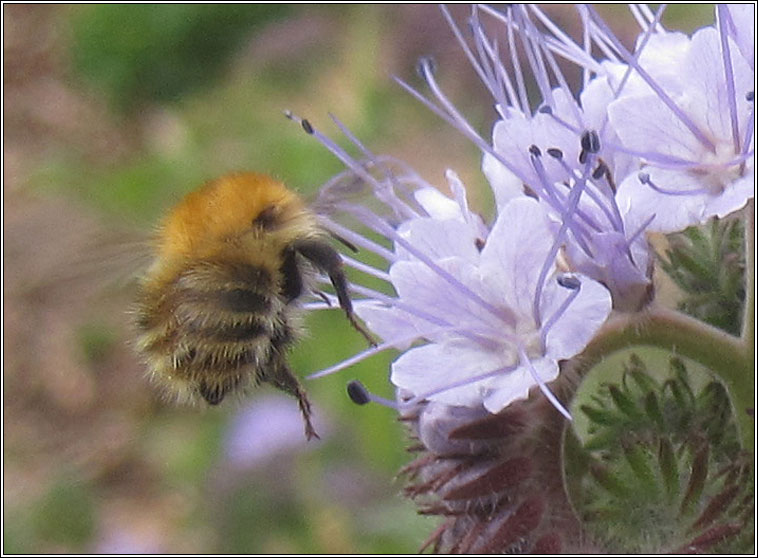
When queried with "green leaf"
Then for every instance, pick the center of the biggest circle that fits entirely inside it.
(653, 410)
(599, 416)
(640, 462)
(625, 403)
(667, 463)
(611, 482)
(698, 475)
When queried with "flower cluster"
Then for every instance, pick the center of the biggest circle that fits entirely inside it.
(487, 314)
(657, 139)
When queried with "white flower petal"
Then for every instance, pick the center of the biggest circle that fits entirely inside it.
(425, 289)
(387, 322)
(734, 197)
(459, 193)
(645, 124)
(437, 204)
(671, 213)
(576, 326)
(515, 252)
(515, 385)
(505, 185)
(705, 79)
(513, 136)
(434, 367)
(713, 185)
(743, 16)
(437, 238)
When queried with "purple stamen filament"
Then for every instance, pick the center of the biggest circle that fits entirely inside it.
(574, 292)
(644, 178)
(543, 388)
(662, 95)
(729, 76)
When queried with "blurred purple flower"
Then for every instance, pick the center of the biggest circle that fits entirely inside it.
(265, 428)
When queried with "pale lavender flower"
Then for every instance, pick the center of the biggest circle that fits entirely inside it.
(564, 153)
(485, 345)
(494, 314)
(251, 441)
(686, 108)
(740, 25)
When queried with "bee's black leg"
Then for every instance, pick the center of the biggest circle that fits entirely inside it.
(323, 297)
(280, 376)
(327, 259)
(292, 283)
(347, 243)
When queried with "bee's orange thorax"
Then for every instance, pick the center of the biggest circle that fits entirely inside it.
(220, 211)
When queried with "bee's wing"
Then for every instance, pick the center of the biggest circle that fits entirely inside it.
(381, 186)
(118, 260)
(62, 258)
(361, 206)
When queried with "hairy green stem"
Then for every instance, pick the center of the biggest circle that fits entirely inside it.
(722, 353)
(748, 318)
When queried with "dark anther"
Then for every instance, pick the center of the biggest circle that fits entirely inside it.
(750, 96)
(643, 177)
(582, 156)
(590, 141)
(357, 393)
(569, 282)
(529, 192)
(479, 243)
(534, 150)
(307, 126)
(608, 174)
(555, 153)
(545, 110)
(426, 64)
(600, 171)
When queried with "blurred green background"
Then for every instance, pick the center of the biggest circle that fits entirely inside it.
(111, 114)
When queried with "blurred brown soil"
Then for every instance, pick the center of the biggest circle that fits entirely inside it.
(66, 414)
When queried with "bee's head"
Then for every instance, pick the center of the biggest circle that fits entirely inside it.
(240, 207)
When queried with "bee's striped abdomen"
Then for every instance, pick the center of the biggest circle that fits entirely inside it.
(212, 328)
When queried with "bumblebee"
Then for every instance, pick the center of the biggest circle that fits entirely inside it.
(218, 308)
